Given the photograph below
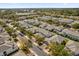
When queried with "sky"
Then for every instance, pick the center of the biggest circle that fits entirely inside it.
(39, 5)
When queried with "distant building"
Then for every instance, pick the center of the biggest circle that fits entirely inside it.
(25, 14)
(67, 21)
(50, 27)
(33, 21)
(22, 17)
(24, 24)
(58, 28)
(44, 18)
(43, 25)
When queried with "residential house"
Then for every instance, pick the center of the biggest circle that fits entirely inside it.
(56, 38)
(8, 48)
(67, 21)
(71, 34)
(73, 46)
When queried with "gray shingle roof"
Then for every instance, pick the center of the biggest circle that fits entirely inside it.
(71, 32)
(45, 18)
(58, 28)
(44, 32)
(1, 41)
(56, 38)
(39, 34)
(68, 21)
(4, 48)
(73, 46)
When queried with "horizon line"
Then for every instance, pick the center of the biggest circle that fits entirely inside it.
(39, 5)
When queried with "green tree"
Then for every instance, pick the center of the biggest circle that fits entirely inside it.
(49, 21)
(22, 29)
(9, 30)
(29, 34)
(15, 24)
(39, 39)
(75, 25)
(24, 47)
(58, 49)
(15, 40)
